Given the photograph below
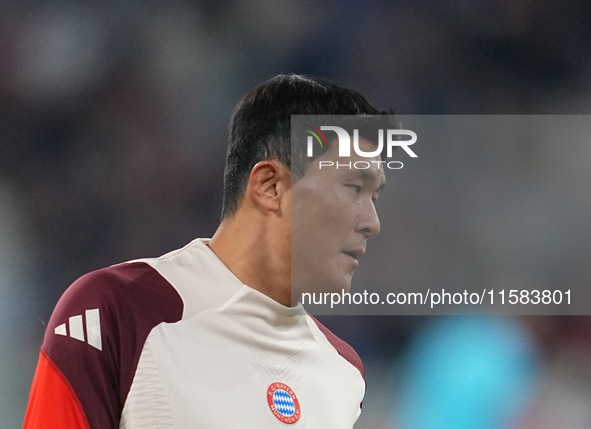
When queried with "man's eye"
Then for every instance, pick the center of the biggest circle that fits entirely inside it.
(356, 188)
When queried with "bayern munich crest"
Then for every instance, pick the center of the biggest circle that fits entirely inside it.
(283, 403)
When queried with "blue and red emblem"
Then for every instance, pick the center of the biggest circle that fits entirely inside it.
(283, 403)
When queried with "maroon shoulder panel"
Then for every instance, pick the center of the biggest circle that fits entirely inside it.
(131, 300)
(344, 349)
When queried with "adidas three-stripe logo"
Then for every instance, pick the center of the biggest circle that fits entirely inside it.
(75, 328)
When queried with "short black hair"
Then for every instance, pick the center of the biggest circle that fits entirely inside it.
(260, 127)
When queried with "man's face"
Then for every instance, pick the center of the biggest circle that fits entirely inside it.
(333, 215)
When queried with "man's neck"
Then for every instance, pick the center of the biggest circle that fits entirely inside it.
(247, 250)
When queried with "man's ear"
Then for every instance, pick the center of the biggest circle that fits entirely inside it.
(268, 184)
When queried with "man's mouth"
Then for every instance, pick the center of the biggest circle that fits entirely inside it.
(356, 254)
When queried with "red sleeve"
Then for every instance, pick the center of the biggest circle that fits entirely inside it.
(52, 402)
(93, 343)
(343, 348)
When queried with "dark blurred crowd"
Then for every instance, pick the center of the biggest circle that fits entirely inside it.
(112, 139)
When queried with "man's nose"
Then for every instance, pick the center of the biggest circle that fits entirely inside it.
(369, 222)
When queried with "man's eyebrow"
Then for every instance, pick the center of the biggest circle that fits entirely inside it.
(367, 176)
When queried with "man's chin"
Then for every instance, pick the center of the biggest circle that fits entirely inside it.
(345, 289)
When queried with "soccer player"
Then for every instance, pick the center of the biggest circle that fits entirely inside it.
(207, 336)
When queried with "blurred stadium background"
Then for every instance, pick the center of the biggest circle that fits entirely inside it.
(112, 136)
